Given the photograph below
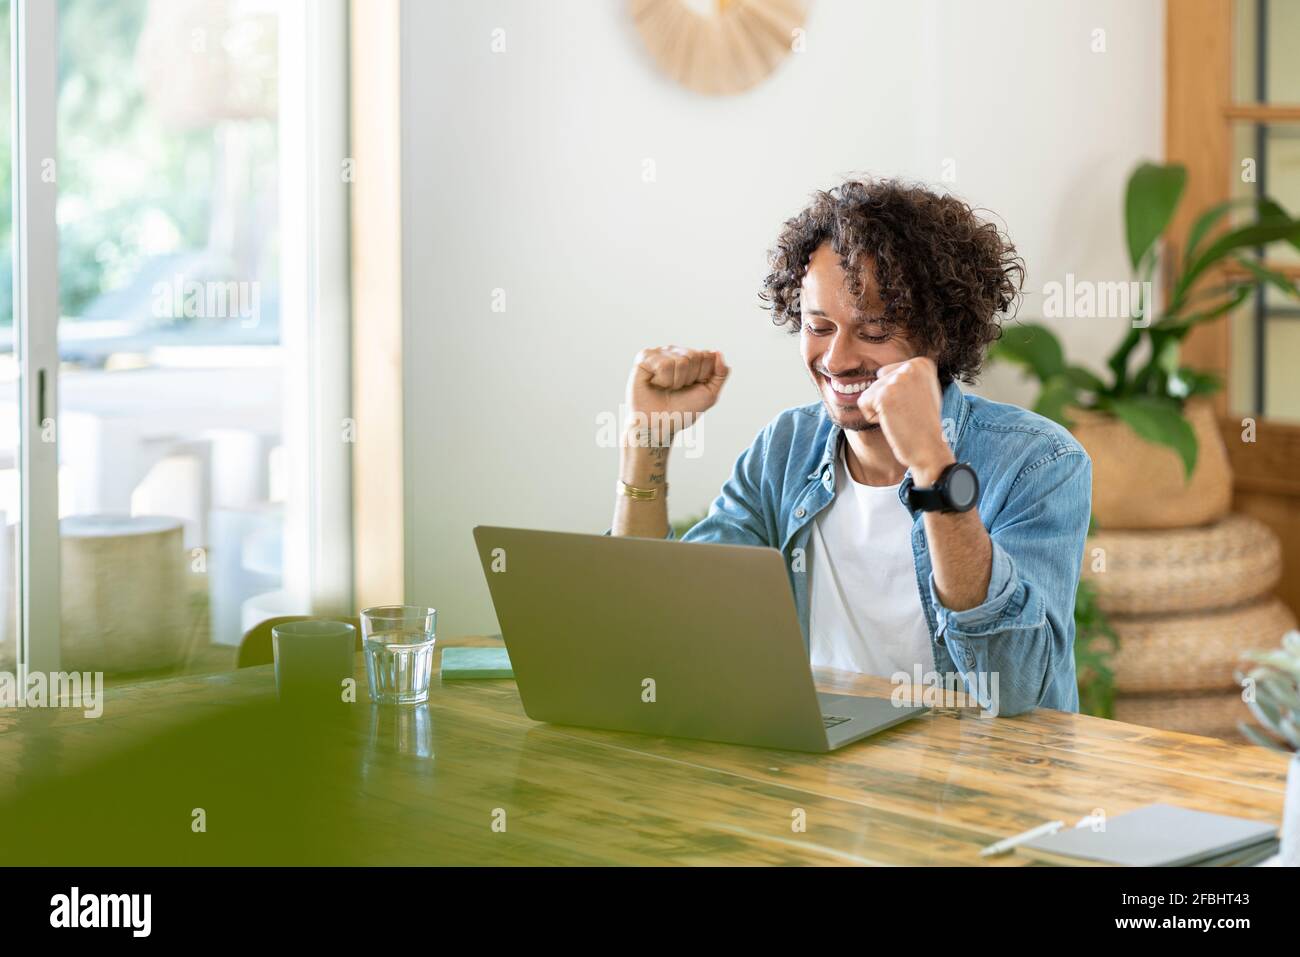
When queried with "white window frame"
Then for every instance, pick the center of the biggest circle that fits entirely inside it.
(34, 37)
(315, 325)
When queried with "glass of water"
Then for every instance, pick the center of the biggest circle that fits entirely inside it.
(398, 642)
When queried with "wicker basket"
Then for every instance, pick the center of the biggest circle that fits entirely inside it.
(1184, 570)
(124, 592)
(1196, 652)
(1138, 484)
(1213, 715)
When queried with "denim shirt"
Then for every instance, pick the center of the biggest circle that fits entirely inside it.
(1035, 500)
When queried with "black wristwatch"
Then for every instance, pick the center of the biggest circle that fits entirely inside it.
(956, 490)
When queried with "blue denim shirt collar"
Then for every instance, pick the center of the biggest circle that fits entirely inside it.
(952, 415)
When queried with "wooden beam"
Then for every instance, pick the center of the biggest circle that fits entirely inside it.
(1263, 112)
(1198, 90)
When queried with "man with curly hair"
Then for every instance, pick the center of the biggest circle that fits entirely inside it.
(926, 531)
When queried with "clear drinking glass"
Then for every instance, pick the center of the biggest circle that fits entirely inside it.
(398, 642)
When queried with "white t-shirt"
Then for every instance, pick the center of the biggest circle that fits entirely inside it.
(865, 613)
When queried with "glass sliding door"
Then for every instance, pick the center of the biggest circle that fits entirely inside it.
(171, 466)
(192, 466)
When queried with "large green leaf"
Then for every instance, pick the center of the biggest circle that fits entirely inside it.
(1118, 360)
(1081, 378)
(1267, 211)
(1206, 221)
(1160, 422)
(1181, 325)
(1272, 212)
(1153, 377)
(1033, 346)
(1058, 393)
(1269, 276)
(1149, 202)
(1257, 234)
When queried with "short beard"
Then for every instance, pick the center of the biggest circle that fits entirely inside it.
(863, 426)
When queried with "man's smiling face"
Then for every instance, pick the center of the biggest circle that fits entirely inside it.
(844, 342)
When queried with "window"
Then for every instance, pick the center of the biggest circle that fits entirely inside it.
(1266, 148)
(195, 331)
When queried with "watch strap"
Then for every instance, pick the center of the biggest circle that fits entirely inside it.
(927, 499)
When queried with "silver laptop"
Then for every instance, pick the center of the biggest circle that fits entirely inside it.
(681, 639)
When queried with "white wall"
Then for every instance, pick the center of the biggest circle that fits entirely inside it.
(523, 171)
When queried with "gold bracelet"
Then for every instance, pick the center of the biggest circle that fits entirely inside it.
(640, 494)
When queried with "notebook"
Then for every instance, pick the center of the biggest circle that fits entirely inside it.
(1158, 835)
(475, 663)
(1245, 857)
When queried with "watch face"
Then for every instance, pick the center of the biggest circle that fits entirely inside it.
(961, 487)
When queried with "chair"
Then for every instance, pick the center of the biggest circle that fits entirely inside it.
(255, 646)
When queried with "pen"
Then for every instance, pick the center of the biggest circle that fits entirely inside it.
(1007, 844)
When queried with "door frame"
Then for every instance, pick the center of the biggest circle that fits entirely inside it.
(34, 39)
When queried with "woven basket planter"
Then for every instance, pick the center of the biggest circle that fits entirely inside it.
(1197, 652)
(1137, 484)
(1184, 570)
(124, 592)
(1213, 715)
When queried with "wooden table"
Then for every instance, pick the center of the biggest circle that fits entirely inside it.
(470, 779)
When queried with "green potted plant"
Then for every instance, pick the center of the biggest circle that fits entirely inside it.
(1095, 643)
(1272, 692)
(1158, 457)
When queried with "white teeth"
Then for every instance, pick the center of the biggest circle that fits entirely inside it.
(847, 389)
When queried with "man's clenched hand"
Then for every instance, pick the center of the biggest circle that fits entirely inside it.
(905, 400)
(671, 387)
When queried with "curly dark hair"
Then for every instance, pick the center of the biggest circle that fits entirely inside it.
(943, 274)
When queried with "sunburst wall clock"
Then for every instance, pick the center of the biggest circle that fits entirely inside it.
(722, 51)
